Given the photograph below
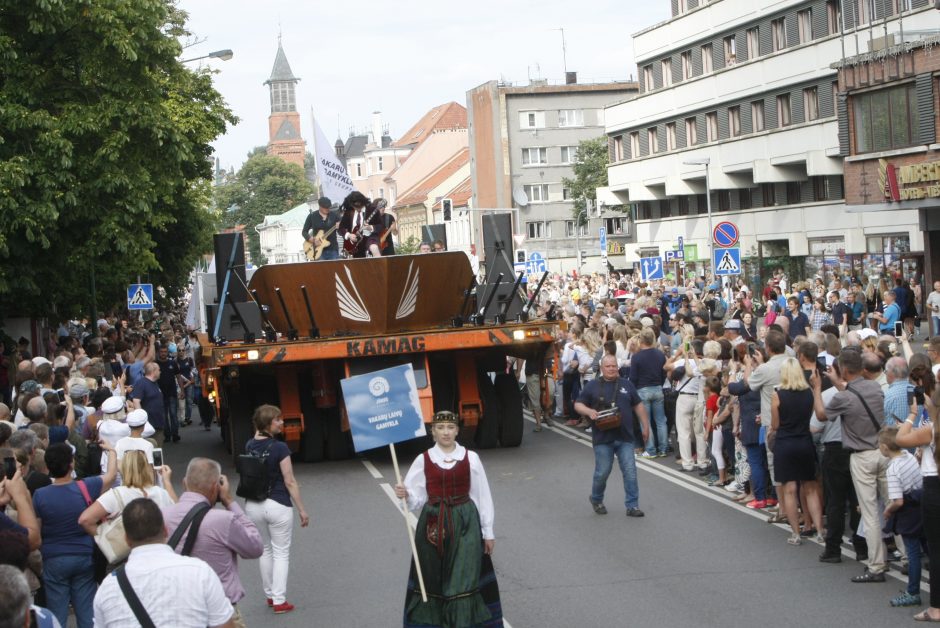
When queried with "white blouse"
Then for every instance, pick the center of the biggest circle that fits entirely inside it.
(416, 484)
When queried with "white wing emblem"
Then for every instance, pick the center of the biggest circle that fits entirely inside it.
(409, 297)
(350, 307)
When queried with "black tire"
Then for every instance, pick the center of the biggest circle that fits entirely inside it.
(312, 445)
(510, 411)
(337, 441)
(487, 436)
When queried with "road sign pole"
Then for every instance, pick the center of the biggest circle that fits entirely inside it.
(708, 205)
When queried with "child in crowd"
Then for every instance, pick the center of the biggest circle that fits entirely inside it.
(714, 417)
(902, 511)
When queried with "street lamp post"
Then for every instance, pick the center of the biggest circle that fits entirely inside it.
(577, 238)
(222, 55)
(706, 161)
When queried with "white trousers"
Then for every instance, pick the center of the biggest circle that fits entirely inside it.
(276, 523)
(718, 441)
(689, 421)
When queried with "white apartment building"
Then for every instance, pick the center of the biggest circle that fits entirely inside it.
(750, 86)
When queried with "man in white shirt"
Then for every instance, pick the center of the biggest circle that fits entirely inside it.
(173, 590)
(933, 306)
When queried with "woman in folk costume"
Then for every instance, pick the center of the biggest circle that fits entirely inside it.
(454, 537)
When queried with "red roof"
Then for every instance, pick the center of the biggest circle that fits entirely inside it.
(450, 115)
(419, 192)
(459, 196)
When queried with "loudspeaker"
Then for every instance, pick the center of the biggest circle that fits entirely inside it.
(231, 328)
(430, 233)
(223, 243)
(499, 256)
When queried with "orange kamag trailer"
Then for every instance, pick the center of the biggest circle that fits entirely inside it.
(328, 320)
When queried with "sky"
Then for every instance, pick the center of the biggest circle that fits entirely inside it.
(401, 58)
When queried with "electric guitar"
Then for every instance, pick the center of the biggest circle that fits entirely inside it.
(364, 230)
(313, 252)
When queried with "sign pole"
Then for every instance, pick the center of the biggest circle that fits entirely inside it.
(411, 534)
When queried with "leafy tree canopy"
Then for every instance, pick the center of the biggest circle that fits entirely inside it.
(590, 173)
(105, 152)
(264, 186)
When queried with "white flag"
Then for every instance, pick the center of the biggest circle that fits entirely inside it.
(335, 183)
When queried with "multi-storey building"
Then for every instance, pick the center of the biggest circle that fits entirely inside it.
(747, 89)
(523, 143)
(888, 130)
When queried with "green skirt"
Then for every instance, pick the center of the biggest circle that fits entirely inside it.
(460, 582)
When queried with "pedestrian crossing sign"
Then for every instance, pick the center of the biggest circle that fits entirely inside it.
(140, 296)
(727, 261)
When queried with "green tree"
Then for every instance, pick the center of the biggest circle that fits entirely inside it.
(104, 159)
(409, 246)
(263, 186)
(590, 173)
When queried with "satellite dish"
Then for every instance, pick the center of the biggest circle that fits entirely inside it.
(519, 195)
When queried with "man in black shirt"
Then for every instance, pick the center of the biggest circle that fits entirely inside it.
(388, 221)
(321, 220)
(169, 370)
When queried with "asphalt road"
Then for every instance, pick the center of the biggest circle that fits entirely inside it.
(696, 559)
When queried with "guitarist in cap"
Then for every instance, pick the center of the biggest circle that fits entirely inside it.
(318, 230)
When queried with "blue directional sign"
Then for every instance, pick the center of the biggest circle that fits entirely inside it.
(603, 235)
(681, 244)
(140, 296)
(536, 264)
(727, 261)
(651, 268)
(383, 407)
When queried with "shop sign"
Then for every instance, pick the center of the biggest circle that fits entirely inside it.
(908, 183)
(615, 248)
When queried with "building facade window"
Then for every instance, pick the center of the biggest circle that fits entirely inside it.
(778, 29)
(691, 132)
(707, 58)
(671, 136)
(862, 12)
(538, 230)
(811, 103)
(358, 170)
(744, 198)
(834, 17)
(734, 121)
(537, 193)
(783, 110)
(804, 20)
(571, 117)
(532, 119)
(569, 154)
(635, 144)
(731, 50)
(885, 119)
(617, 225)
(618, 148)
(534, 156)
(711, 126)
(686, 64)
(753, 42)
(652, 136)
(667, 71)
(566, 194)
(569, 229)
(648, 78)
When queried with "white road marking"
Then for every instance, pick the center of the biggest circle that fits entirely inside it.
(371, 469)
(681, 479)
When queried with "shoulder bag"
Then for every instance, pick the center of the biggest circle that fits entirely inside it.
(110, 535)
(143, 617)
(192, 521)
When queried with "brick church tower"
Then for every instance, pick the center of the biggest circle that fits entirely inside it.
(284, 122)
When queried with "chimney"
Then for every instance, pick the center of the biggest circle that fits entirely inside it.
(377, 128)
(571, 78)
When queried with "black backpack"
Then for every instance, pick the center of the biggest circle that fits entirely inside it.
(254, 482)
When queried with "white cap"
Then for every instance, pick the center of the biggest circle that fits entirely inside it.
(137, 418)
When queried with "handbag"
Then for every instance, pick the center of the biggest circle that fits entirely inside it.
(110, 537)
(608, 418)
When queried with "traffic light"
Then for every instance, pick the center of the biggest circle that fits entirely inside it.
(521, 256)
(447, 205)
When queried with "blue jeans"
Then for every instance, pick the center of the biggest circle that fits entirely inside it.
(935, 325)
(70, 578)
(757, 460)
(604, 462)
(913, 546)
(652, 397)
(171, 416)
(329, 254)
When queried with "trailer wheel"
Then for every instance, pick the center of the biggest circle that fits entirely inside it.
(510, 410)
(312, 445)
(487, 435)
(337, 442)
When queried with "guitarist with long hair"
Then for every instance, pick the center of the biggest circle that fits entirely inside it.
(360, 227)
(318, 230)
(390, 227)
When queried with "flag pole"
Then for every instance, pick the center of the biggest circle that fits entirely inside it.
(411, 535)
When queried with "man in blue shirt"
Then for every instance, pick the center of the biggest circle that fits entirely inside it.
(603, 393)
(896, 405)
(889, 316)
(148, 396)
(647, 376)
